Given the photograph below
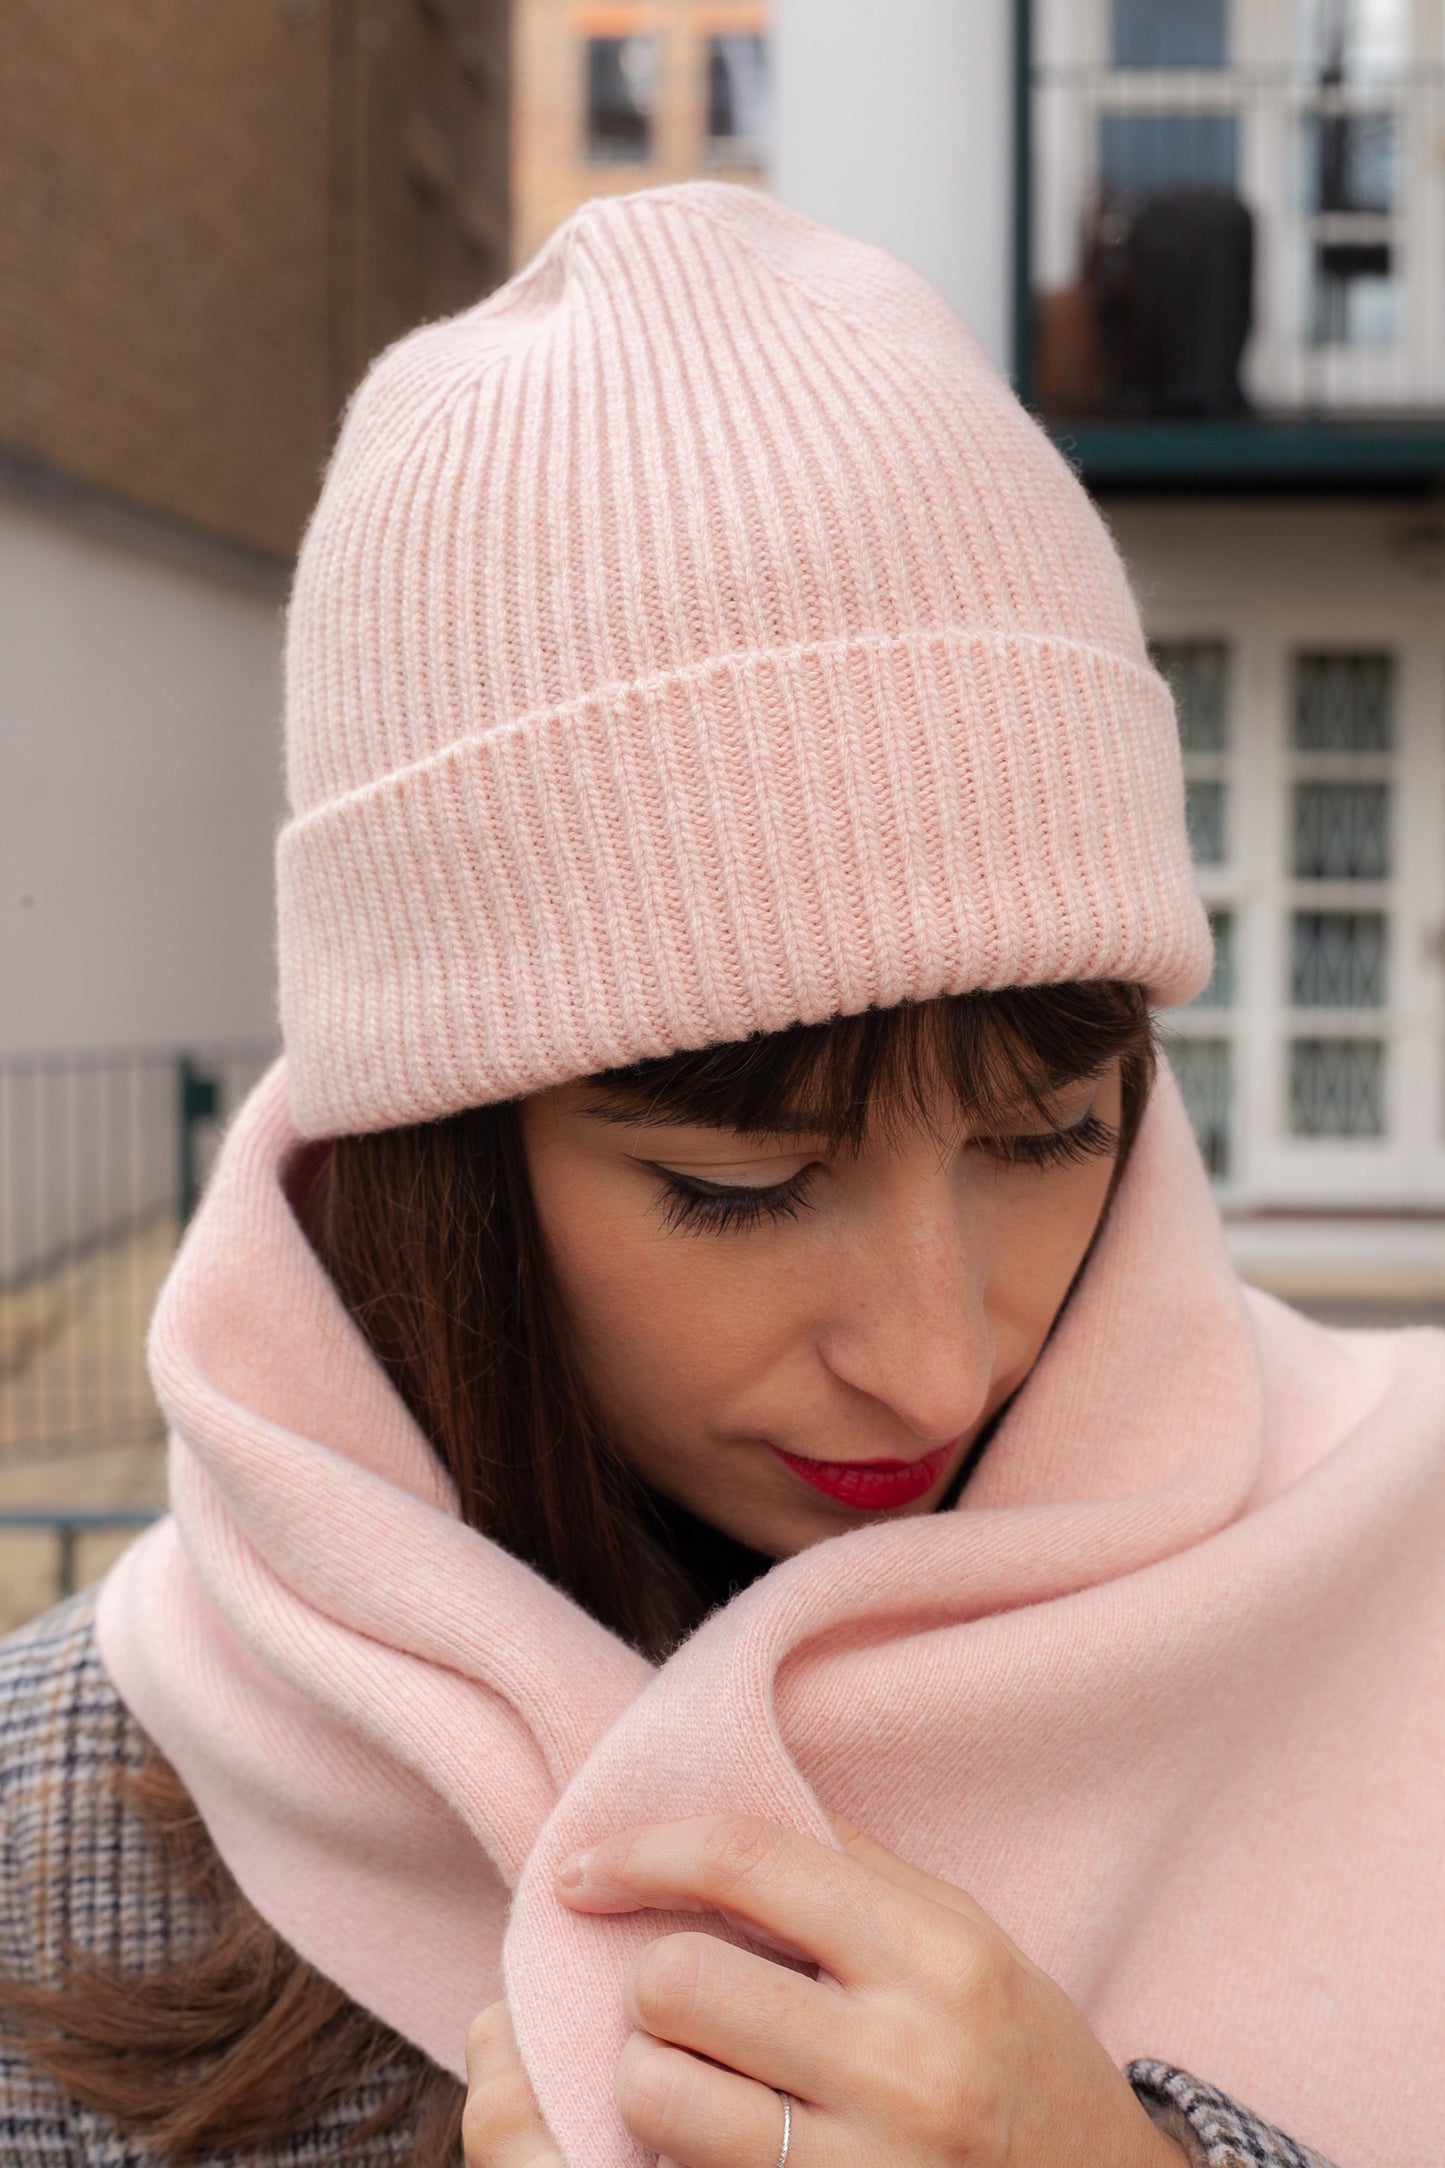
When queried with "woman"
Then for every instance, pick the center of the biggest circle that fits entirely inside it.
(729, 1513)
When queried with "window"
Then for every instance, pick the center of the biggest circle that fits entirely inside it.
(1351, 180)
(1197, 674)
(1338, 960)
(1200, 1041)
(1352, 161)
(737, 100)
(621, 97)
(1342, 831)
(1203, 1070)
(1235, 205)
(1169, 33)
(1312, 744)
(1352, 41)
(1204, 810)
(1356, 294)
(1341, 855)
(1307, 1063)
(1343, 703)
(1141, 153)
(1352, 53)
(1336, 1088)
(1219, 993)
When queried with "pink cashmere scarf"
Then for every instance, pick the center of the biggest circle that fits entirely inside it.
(1166, 1691)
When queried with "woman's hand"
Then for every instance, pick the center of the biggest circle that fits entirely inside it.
(503, 2126)
(932, 2042)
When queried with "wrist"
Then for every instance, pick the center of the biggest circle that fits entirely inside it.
(1166, 2140)
(1173, 2147)
(1171, 2153)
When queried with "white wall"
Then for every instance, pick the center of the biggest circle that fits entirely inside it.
(139, 786)
(892, 120)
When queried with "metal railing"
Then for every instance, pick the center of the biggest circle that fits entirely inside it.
(68, 1527)
(1306, 209)
(101, 1157)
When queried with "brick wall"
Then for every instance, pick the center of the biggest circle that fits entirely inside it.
(212, 215)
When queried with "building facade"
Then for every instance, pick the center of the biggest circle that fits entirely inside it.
(1225, 295)
(1236, 325)
(212, 219)
(1208, 238)
(611, 95)
(209, 221)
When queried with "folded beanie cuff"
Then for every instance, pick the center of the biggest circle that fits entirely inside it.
(765, 839)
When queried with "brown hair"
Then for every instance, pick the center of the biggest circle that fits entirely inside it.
(430, 1237)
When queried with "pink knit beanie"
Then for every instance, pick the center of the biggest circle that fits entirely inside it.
(692, 639)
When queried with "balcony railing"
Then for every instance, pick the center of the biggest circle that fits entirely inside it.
(101, 1156)
(67, 1531)
(1235, 268)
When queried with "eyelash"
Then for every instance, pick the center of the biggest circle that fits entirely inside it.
(688, 1208)
(1088, 1139)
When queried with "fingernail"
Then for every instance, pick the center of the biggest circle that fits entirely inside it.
(573, 1872)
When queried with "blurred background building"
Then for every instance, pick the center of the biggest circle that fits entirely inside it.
(1208, 241)
(1231, 311)
(610, 95)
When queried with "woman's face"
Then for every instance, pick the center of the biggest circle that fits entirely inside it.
(792, 1340)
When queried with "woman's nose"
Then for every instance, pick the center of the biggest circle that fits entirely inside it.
(910, 1325)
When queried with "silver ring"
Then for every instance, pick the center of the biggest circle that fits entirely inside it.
(782, 2160)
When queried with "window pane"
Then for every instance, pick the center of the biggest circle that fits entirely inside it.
(1353, 41)
(1140, 153)
(1351, 161)
(1168, 33)
(1203, 1069)
(1342, 831)
(1219, 993)
(1196, 670)
(1355, 294)
(1343, 703)
(1338, 960)
(1204, 810)
(737, 98)
(621, 93)
(1337, 1088)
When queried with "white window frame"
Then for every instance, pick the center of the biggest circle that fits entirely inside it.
(1268, 1166)
(1267, 88)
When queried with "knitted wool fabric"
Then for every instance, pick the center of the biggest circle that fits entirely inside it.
(79, 1866)
(693, 639)
(1165, 1692)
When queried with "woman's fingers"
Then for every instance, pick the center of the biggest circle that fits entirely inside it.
(805, 1896)
(755, 2017)
(871, 1854)
(862, 1914)
(700, 2117)
(502, 2126)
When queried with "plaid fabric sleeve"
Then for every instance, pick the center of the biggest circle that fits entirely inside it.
(1212, 2130)
(77, 1870)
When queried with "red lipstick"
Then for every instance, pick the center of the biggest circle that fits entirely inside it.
(870, 1486)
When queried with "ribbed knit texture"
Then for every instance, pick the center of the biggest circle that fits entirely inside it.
(693, 639)
(76, 1864)
(1166, 1692)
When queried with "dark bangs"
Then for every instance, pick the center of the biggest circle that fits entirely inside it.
(995, 1054)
